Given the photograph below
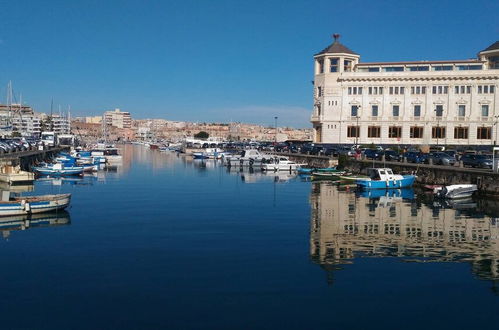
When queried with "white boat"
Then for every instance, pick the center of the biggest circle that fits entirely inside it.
(249, 157)
(33, 204)
(280, 163)
(455, 191)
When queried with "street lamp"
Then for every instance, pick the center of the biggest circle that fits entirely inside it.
(275, 138)
(357, 128)
(495, 130)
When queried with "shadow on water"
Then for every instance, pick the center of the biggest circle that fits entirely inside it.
(23, 222)
(346, 226)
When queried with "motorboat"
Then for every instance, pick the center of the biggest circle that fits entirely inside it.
(455, 191)
(280, 163)
(248, 157)
(209, 153)
(384, 178)
(21, 205)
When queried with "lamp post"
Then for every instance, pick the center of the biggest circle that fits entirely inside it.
(275, 137)
(495, 130)
(357, 128)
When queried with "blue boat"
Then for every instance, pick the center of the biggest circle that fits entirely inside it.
(404, 193)
(383, 178)
(58, 169)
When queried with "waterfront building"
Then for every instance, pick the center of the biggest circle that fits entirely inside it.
(118, 118)
(419, 102)
(60, 124)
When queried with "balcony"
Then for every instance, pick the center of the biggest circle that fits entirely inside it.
(416, 118)
(315, 118)
(395, 118)
(460, 118)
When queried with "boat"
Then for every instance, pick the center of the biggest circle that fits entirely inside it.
(280, 164)
(327, 175)
(209, 153)
(248, 157)
(14, 174)
(33, 204)
(58, 169)
(455, 191)
(384, 178)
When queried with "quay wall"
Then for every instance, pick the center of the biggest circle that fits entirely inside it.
(26, 159)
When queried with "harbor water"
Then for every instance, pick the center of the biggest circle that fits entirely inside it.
(164, 241)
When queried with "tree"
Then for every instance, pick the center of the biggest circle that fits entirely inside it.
(202, 135)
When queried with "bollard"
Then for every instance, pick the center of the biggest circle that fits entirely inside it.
(430, 161)
(461, 164)
(405, 159)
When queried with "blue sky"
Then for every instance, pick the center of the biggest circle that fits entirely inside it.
(215, 60)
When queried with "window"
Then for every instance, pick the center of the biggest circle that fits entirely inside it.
(418, 90)
(416, 132)
(374, 131)
(469, 67)
(460, 132)
(319, 91)
(462, 89)
(417, 110)
(395, 110)
(394, 69)
(486, 89)
(396, 90)
(484, 133)
(375, 90)
(419, 68)
(333, 67)
(395, 132)
(438, 132)
(439, 110)
(374, 111)
(461, 110)
(442, 68)
(355, 111)
(353, 131)
(375, 69)
(485, 110)
(347, 65)
(440, 89)
(321, 65)
(354, 90)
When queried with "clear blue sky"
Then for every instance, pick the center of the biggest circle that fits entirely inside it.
(216, 60)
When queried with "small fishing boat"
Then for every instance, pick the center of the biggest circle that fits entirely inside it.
(455, 191)
(384, 178)
(330, 175)
(33, 204)
(58, 169)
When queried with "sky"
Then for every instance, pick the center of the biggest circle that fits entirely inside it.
(218, 60)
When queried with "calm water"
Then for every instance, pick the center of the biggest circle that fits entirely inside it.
(165, 242)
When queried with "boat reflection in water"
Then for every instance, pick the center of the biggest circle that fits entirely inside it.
(59, 181)
(23, 222)
(250, 175)
(346, 226)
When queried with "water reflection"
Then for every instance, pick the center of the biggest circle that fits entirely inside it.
(346, 226)
(24, 222)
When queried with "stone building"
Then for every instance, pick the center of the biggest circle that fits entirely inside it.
(419, 102)
(118, 118)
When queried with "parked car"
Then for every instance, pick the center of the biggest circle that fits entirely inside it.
(481, 161)
(441, 158)
(391, 155)
(331, 151)
(372, 154)
(347, 151)
(415, 157)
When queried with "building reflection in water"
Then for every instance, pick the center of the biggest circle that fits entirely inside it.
(24, 222)
(345, 225)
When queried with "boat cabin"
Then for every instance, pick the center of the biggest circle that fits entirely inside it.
(381, 174)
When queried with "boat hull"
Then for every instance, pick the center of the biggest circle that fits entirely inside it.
(405, 182)
(34, 204)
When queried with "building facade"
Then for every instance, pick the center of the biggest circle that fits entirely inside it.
(419, 103)
(118, 118)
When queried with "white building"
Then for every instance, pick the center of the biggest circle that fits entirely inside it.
(118, 118)
(423, 102)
